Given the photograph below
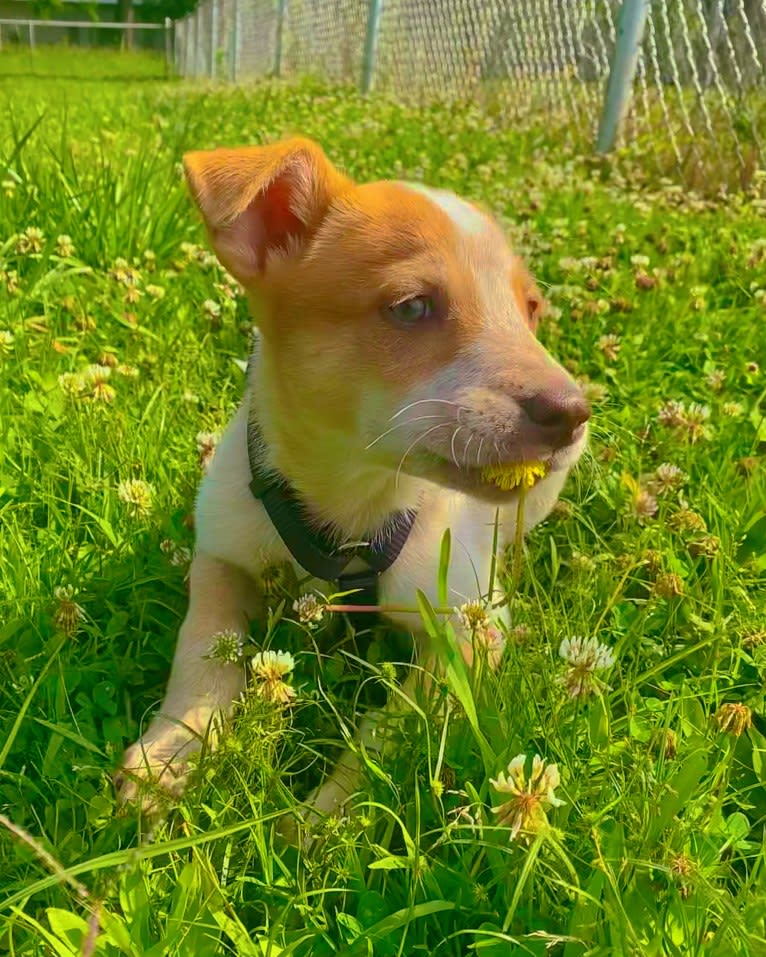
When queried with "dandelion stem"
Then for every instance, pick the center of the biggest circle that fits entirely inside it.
(383, 609)
(519, 540)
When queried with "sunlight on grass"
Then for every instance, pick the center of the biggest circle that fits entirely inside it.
(637, 654)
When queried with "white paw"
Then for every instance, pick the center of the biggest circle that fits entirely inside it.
(331, 799)
(155, 769)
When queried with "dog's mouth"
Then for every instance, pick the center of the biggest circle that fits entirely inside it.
(501, 481)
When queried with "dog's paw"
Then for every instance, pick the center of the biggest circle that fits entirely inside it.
(331, 801)
(155, 770)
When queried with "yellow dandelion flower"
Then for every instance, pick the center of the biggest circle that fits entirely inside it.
(514, 474)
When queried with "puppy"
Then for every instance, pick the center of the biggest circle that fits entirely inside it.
(396, 361)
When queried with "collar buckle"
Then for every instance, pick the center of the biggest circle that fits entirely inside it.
(365, 586)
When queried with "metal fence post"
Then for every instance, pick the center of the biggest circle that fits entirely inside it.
(234, 53)
(168, 45)
(213, 37)
(197, 57)
(31, 35)
(630, 29)
(371, 44)
(281, 6)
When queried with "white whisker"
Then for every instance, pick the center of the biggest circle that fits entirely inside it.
(398, 425)
(478, 453)
(412, 446)
(452, 446)
(419, 402)
(471, 437)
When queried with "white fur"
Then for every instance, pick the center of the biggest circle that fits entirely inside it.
(468, 219)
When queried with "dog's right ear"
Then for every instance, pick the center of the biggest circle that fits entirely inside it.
(260, 199)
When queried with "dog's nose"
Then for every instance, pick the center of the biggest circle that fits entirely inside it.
(558, 413)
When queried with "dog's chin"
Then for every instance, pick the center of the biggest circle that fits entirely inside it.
(470, 480)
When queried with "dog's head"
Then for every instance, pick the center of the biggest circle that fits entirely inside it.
(395, 315)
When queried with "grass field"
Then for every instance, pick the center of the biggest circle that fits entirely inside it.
(118, 335)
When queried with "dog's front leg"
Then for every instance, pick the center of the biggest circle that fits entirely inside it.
(332, 796)
(200, 692)
(486, 640)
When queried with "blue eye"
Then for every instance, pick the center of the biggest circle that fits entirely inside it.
(409, 312)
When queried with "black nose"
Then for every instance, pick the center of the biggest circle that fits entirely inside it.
(558, 413)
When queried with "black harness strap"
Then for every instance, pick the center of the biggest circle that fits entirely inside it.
(314, 549)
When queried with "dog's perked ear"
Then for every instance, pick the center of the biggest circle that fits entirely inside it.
(259, 199)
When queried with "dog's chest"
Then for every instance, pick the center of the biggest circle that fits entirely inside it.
(233, 526)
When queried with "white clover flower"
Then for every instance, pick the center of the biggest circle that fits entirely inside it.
(672, 414)
(6, 342)
(211, 308)
(96, 379)
(72, 384)
(68, 613)
(123, 273)
(272, 664)
(487, 637)
(309, 609)
(30, 241)
(585, 656)
(207, 443)
(668, 477)
(226, 647)
(473, 616)
(524, 812)
(64, 246)
(137, 495)
(269, 668)
(587, 651)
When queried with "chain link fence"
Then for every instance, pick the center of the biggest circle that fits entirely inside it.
(698, 71)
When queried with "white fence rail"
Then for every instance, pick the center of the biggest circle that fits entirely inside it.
(15, 31)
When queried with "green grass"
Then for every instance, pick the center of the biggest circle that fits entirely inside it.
(659, 848)
(98, 65)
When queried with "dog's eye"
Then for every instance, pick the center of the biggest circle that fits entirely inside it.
(409, 312)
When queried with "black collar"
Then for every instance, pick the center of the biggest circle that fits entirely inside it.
(314, 549)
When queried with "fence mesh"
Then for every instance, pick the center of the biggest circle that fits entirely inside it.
(31, 34)
(701, 70)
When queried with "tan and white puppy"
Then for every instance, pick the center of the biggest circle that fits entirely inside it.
(396, 359)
